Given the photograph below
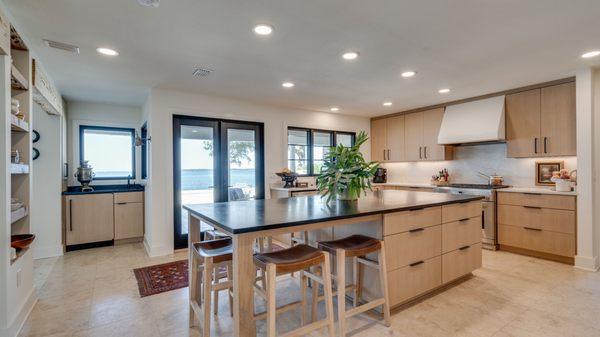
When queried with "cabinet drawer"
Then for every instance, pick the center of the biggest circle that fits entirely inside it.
(460, 262)
(404, 221)
(538, 240)
(129, 220)
(537, 200)
(129, 197)
(555, 220)
(455, 212)
(412, 281)
(461, 233)
(413, 246)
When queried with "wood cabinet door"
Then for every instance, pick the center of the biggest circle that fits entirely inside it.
(523, 124)
(432, 121)
(89, 218)
(129, 220)
(413, 136)
(378, 139)
(558, 135)
(395, 138)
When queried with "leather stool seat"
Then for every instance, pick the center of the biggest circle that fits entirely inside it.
(354, 245)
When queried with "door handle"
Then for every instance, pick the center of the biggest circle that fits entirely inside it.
(545, 144)
(121, 203)
(70, 215)
(425, 152)
(463, 220)
(389, 154)
(535, 145)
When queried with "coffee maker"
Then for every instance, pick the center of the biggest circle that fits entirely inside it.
(380, 175)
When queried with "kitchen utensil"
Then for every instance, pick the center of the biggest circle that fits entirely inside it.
(85, 175)
(494, 179)
(21, 241)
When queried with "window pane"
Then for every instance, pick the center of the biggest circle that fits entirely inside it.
(109, 152)
(242, 164)
(317, 164)
(322, 139)
(296, 152)
(297, 137)
(320, 152)
(298, 166)
(344, 139)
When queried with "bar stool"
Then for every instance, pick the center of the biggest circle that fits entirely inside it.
(298, 258)
(208, 258)
(356, 247)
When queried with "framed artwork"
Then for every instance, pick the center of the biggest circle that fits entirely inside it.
(543, 172)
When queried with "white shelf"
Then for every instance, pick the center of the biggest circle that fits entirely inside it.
(17, 80)
(17, 124)
(19, 168)
(18, 214)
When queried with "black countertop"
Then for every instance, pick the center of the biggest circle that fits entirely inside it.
(72, 190)
(255, 215)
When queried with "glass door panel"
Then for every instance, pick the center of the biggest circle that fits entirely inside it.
(241, 164)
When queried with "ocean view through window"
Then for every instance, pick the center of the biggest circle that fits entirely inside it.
(109, 150)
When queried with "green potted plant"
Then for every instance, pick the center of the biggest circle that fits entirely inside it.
(345, 173)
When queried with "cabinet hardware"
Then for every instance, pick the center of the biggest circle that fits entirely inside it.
(70, 215)
(425, 152)
(416, 263)
(463, 220)
(420, 152)
(532, 207)
(389, 154)
(535, 145)
(464, 247)
(532, 229)
(529, 193)
(416, 230)
(416, 209)
(121, 203)
(545, 144)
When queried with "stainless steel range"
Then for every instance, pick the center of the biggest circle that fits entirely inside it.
(488, 216)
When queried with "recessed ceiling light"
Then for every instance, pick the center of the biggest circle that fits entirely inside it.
(444, 91)
(351, 55)
(263, 29)
(591, 54)
(287, 84)
(409, 73)
(334, 109)
(107, 51)
(387, 103)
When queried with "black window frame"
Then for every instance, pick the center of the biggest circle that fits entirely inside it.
(144, 149)
(82, 129)
(310, 141)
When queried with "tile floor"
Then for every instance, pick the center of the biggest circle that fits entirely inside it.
(94, 293)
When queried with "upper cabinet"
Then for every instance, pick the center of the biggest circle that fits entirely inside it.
(410, 137)
(541, 122)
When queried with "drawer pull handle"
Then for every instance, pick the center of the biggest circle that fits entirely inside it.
(530, 193)
(463, 220)
(416, 263)
(121, 203)
(465, 202)
(416, 209)
(416, 230)
(464, 247)
(532, 207)
(533, 229)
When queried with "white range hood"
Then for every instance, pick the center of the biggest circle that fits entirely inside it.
(473, 122)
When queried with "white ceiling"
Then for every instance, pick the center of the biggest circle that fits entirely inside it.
(472, 46)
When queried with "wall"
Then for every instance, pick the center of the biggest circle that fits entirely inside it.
(468, 160)
(163, 104)
(100, 114)
(47, 186)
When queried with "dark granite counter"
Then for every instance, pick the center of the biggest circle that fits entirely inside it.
(72, 190)
(256, 215)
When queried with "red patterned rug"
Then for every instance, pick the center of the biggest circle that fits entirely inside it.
(159, 278)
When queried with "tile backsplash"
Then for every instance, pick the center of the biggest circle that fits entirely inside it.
(468, 160)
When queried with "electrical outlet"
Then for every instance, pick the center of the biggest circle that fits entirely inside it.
(19, 278)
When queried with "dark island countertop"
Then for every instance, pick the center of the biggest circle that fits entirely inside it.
(239, 217)
(73, 190)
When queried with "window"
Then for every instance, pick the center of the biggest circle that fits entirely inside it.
(110, 151)
(144, 135)
(307, 148)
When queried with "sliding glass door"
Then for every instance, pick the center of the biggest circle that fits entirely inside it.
(213, 161)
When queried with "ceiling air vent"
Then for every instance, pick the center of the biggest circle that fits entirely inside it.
(62, 46)
(201, 72)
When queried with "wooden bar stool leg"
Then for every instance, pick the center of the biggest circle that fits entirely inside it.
(216, 278)
(355, 280)
(193, 290)
(271, 301)
(230, 290)
(315, 296)
(303, 298)
(207, 290)
(384, 284)
(328, 294)
(341, 289)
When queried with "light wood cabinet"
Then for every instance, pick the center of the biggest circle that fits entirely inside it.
(88, 218)
(395, 138)
(422, 129)
(399, 222)
(129, 215)
(413, 246)
(461, 233)
(378, 140)
(4, 35)
(461, 262)
(541, 122)
(415, 280)
(413, 142)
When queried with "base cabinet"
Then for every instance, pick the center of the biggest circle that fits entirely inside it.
(129, 220)
(89, 218)
(417, 279)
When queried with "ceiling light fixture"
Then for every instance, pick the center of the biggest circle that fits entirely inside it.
(263, 29)
(444, 91)
(409, 73)
(334, 109)
(107, 51)
(591, 54)
(387, 103)
(287, 84)
(351, 55)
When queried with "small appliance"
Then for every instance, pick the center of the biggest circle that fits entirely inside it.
(380, 175)
(85, 175)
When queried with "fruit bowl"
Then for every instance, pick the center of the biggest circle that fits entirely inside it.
(21, 241)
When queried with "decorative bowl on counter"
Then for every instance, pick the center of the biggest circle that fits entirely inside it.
(21, 241)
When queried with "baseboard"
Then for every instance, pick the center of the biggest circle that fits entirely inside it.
(17, 324)
(587, 263)
(46, 252)
(157, 251)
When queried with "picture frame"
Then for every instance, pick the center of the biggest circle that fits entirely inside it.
(543, 172)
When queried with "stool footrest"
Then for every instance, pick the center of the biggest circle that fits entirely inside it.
(364, 307)
(306, 329)
(281, 309)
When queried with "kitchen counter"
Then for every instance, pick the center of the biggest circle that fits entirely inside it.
(294, 189)
(536, 190)
(419, 185)
(98, 189)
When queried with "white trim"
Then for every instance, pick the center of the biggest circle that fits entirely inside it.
(589, 263)
(157, 250)
(46, 252)
(15, 327)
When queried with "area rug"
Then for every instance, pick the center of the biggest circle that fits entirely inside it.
(159, 278)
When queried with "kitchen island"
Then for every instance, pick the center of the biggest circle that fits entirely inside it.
(431, 238)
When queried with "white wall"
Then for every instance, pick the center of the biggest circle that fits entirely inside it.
(468, 160)
(98, 114)
(163, 104)
(47, 186)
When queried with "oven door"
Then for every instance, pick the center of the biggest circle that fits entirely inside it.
(488, 225)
